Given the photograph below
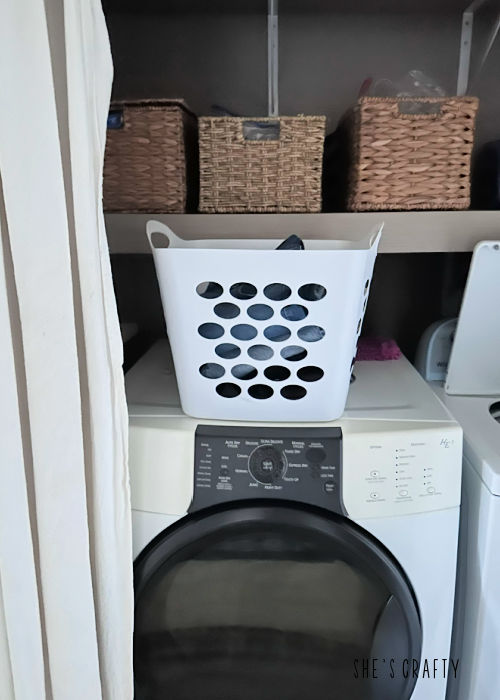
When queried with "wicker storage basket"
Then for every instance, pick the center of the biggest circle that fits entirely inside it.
(238, 174)
(406, 160)
(151, 161)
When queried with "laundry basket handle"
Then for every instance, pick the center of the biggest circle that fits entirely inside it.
(157, 227)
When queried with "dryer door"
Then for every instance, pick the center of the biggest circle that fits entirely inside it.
(272, 601)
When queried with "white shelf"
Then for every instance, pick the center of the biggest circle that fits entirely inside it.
(404, 232)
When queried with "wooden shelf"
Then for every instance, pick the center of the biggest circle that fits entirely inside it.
(404, 232)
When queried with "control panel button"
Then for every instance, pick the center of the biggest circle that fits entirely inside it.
(431, 489)
(315, 471)
(315, 455)
(330, 486)
(374, 474)
(403, 493)
(374, 495)
(266, 464)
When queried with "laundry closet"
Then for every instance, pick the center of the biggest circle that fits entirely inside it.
(264, 515)
(249, 271)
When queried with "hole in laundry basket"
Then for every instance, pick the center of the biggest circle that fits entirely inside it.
(365, 303)
(227, 351)
(293, 353)
(211, 370)
(277, 291)
(310, 374)
(311, 334)
(243, 290)
(294, 312)
(367, 284)
(210, 330)
(312, 292)
(260, 352)
(260, 312)
(260, 391)
(243, 332)
(228, 390)
(495, 411)
(244, 372)
(293, 392)
(359, 325)
(226, 310)
(277, 373)
(209, 290)
(277, 334)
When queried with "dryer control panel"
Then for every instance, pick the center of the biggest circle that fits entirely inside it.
(297, 464)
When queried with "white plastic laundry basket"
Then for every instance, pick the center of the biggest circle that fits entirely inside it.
(259, 334)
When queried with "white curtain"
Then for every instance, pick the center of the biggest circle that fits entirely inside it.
(66, 598)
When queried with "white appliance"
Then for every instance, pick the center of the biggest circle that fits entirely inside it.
(434, 349)
(471, 392)
(277, 561)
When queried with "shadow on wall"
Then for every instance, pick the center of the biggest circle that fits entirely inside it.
(408, 293)
(138, 301)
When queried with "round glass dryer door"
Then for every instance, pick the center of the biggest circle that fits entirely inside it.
(271, 602)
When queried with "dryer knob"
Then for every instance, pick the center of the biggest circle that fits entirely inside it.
(266, 464)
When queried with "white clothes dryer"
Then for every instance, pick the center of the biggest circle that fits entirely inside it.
(471, 391)
(476, 639)
(294, 561)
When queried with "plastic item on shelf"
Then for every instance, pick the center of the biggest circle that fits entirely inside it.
(258, 334)
(415, 83)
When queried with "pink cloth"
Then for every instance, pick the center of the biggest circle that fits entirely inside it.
(377, 349)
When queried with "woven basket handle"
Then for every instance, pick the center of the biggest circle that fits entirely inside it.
(157, 227)
(411, 108)
(250, 127)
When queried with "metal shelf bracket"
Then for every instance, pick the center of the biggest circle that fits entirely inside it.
(272, 57)
(466, 45)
